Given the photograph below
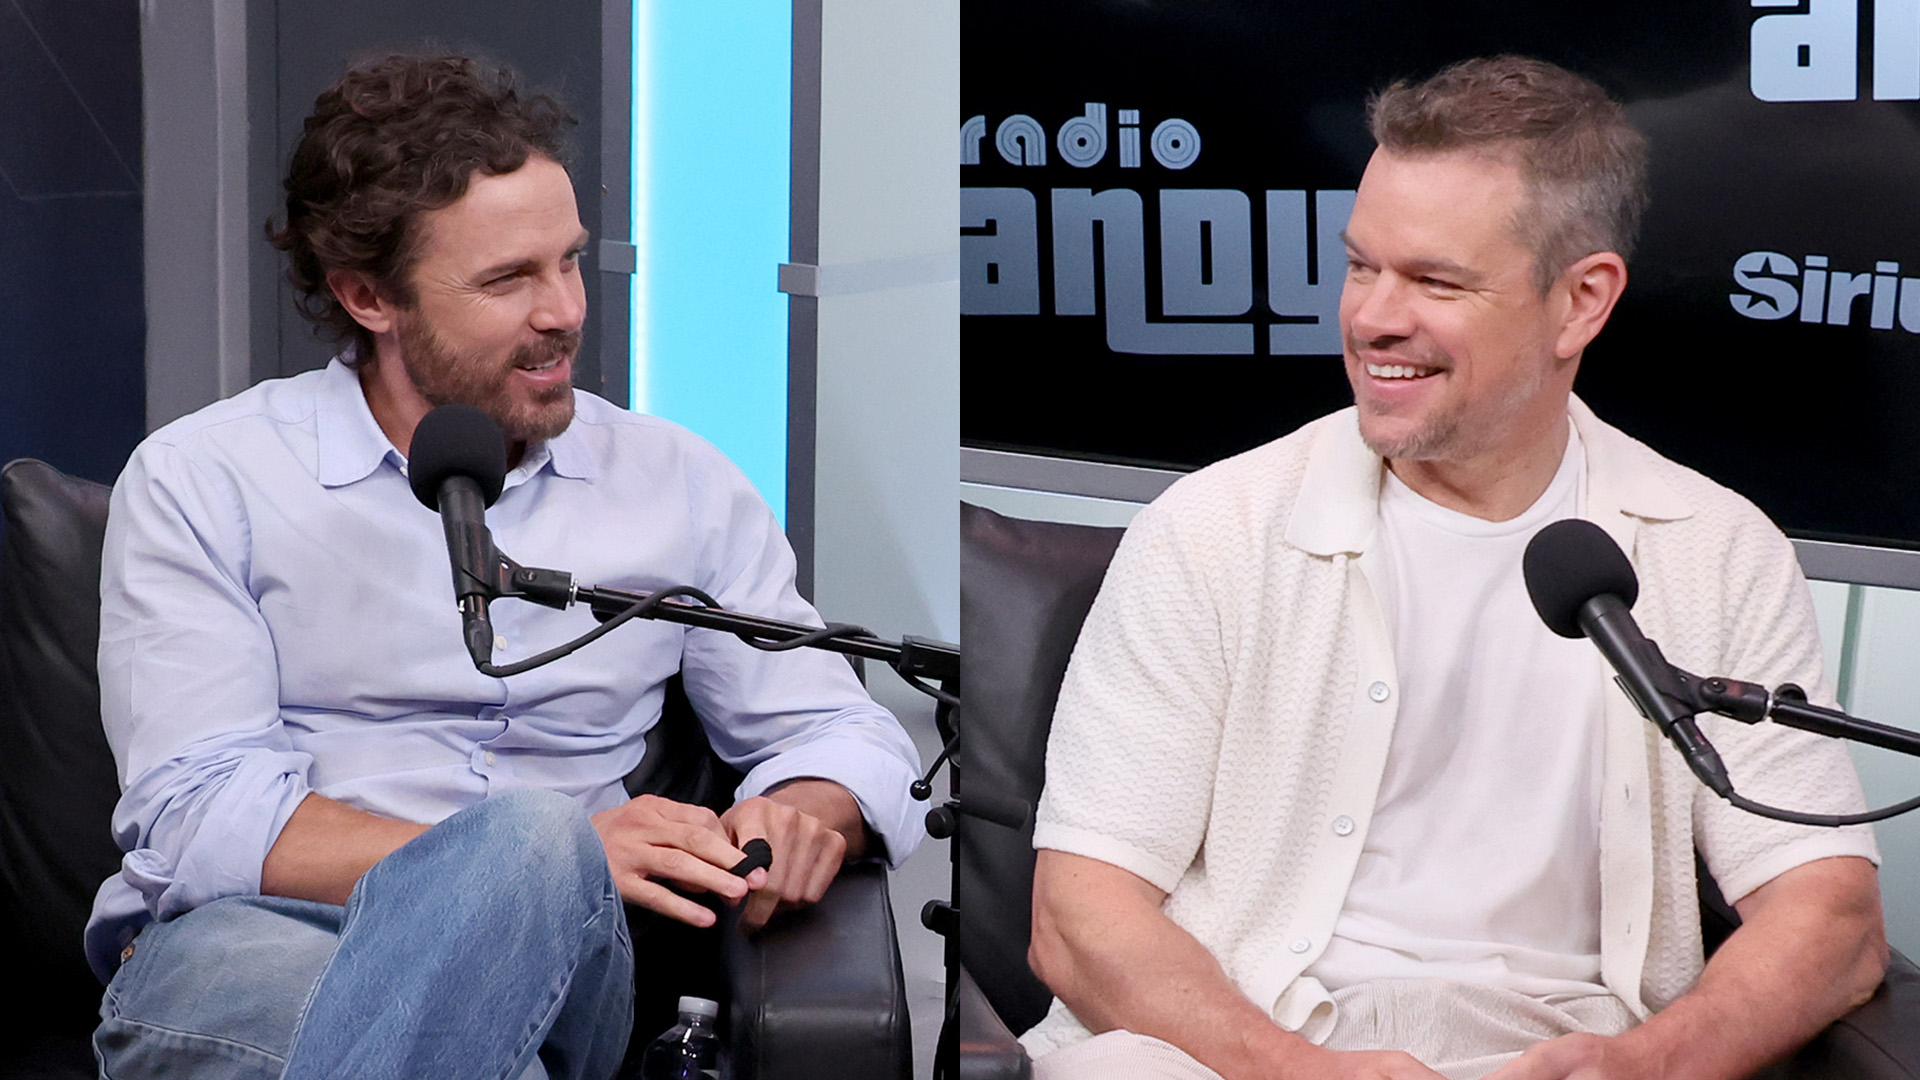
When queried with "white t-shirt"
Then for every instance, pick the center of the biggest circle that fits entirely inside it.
(1482, 862)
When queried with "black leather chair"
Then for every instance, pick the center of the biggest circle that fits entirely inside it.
(817, 995)
(1025, 588)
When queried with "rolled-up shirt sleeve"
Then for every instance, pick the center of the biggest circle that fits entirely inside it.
(189, 689)
(799, 714)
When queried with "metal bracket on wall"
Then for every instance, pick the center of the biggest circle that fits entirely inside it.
(873, 275)
(618, 257)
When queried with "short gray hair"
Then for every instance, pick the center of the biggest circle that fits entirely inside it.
(1584, 164)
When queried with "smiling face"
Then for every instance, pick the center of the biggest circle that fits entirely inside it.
(1454, 354)
(495, 316)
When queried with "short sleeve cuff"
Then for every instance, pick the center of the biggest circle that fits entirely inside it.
(1159, 873)
(1737, 883)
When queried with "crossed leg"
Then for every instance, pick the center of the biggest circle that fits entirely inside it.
(493, 946)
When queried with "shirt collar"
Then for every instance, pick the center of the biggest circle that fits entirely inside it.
(568, 451)
(1622, 490)
(566, 454)
(1338, 509)
(352, 445)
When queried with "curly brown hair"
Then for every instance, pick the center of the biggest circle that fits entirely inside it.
(392, 139)
(1584, 164)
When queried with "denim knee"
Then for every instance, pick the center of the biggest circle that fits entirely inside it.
(530, 846)
(544, 829)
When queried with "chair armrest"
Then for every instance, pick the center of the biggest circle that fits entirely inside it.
(819, 993)
(1877, 1041)
(988, 1050)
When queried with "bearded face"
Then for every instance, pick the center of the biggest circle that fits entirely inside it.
(528, 392)
(492, 311)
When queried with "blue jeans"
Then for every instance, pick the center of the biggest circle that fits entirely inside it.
(493, 946)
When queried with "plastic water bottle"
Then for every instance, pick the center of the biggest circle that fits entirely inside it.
(689, 1050)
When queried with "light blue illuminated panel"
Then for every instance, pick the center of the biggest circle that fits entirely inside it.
(712, 90)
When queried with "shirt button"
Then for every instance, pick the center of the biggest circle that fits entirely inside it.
(500, 641)
(1300, 945)
(489, 757)
(1343, 826)
(1378, 691)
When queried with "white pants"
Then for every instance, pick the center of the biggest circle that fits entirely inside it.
(1462, 1032)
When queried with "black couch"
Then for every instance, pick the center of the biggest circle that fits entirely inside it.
(1025, 587)
(817, 994)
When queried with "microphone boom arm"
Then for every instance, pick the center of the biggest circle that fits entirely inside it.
(1787, 705)
(915, 659)
(912, 657)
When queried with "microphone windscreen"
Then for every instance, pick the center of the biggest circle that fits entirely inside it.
(1569, 563)
(456, 440)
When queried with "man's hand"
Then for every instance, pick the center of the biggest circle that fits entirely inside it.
(1577, 1057)
(813, 826)
(1810, 947)
(651, 839)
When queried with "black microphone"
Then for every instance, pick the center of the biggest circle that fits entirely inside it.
(457, 465)
(1583, 586)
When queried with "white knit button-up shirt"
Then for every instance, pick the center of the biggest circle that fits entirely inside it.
(1223, 724)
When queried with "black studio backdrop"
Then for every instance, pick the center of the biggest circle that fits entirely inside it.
(1152, 193)
(72, 353)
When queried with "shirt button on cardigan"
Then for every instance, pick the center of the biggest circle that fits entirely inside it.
(1300, 945)
(1378, 691)
(1343, 826)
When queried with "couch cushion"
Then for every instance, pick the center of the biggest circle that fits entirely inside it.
(57, 783)
(1025, 587)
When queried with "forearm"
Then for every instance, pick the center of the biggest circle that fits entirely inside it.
(1102, 944)
(326, 846)
(1811, 947)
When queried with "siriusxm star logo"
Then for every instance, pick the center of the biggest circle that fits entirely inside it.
(1776, 286)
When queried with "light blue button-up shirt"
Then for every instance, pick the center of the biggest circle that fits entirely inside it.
(277, 617)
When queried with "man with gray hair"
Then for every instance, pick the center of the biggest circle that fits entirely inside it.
(1326, 798)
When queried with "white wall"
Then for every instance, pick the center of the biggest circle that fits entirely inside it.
(888, 435)
(886, 507)
(1886, 688)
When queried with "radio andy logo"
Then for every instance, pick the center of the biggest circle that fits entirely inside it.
(1204, 238)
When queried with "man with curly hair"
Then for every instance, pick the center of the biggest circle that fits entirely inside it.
(348, 852)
